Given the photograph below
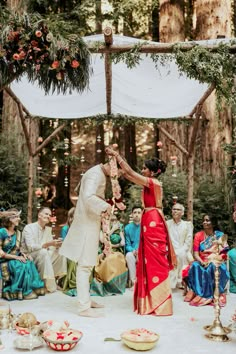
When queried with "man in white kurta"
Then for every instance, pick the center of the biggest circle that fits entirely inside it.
(37, 240)
(82, 240)
(181, 234)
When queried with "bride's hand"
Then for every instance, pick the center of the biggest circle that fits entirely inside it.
(110, 151)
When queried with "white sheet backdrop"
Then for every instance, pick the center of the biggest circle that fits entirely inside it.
(142, 91)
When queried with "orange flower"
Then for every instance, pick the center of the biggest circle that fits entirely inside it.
(75, 64)
(55, 64)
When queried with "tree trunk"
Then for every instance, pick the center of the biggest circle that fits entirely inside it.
(212, 20)
(171, 25)
(172, 30)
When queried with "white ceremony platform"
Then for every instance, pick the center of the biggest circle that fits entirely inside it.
(181, 333)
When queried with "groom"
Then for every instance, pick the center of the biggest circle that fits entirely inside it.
(82, 240)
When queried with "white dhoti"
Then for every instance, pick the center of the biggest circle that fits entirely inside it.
(82, 283)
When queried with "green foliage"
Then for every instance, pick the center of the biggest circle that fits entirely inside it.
(72, 16)
(209, 197)
(217, 67)
(13, 177)
(173, 186)
(28, 45)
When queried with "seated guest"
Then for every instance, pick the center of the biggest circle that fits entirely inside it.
(232, 269)
(116, 235)
(69, 282)
(132, 235)
(110, 274)
(37, 241)
(181, 234)
(18, 274)
(65, 228)
(201, 275)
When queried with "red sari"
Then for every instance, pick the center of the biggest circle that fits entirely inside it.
(156, 257)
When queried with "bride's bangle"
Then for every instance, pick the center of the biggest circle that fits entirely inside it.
(119, 159)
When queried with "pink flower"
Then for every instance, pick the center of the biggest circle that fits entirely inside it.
(159, 144)
(40, 139)
(38, 34)
(38, 192)
(16, 56)
(173, 158)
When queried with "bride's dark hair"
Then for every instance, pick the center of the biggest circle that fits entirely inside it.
(156, 165)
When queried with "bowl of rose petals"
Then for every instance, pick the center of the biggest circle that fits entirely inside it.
(140, 339)
(62, 340)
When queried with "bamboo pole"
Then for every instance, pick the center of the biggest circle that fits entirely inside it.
(30, 189)
(161, 48)
(203, 98)
(173, 141)
(191, 159)
(108, 68)
(49, 138)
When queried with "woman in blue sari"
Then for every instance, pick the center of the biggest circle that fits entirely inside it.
(201, 274)
(18, 274)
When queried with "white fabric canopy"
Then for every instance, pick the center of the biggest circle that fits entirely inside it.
(143, 91)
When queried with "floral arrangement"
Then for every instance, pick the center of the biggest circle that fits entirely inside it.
(28, 46)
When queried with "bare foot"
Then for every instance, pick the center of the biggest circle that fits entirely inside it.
(90, 313)
(95, 305)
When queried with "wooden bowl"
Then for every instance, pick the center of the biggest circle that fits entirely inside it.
(140, 339)
(63, 340)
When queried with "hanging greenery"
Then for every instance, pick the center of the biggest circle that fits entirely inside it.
(208, 66)
(214, 66)
(27, 45)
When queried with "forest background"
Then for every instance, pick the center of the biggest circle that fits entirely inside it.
(81, 144)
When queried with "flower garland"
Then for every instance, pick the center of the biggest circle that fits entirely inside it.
(116, 202)
(28, 46)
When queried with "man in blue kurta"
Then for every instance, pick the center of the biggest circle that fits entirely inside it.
(132, 236)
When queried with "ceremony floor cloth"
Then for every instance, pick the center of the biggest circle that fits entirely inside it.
(181, 333)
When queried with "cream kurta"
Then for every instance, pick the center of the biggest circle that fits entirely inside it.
(81, 242)
(181, 235)
(49, 262)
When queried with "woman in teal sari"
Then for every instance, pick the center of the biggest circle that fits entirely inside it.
(18, 274)
(69, 282)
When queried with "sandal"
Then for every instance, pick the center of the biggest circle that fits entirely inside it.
(204, 302)
(190, 295)
(195, 300)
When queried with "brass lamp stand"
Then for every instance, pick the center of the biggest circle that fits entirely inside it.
(216, 331)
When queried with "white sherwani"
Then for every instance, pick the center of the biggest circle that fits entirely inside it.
(181, 235)
(49, 262)
(82, 239)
